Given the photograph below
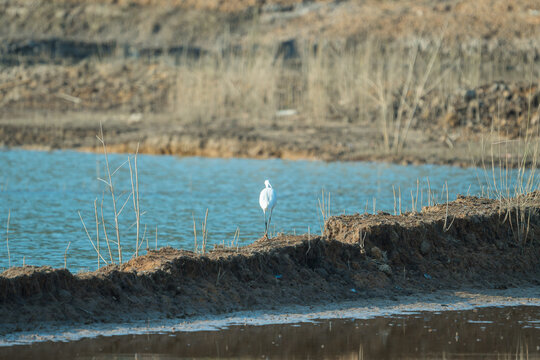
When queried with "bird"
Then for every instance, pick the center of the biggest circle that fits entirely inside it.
(267, 201)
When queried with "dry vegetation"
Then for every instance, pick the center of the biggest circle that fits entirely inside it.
(391, 88)
(454, 71)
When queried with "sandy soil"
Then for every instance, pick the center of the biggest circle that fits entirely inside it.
(469, 243)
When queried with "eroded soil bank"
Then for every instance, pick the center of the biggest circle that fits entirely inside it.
(470, 242)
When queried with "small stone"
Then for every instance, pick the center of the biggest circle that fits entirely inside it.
(469, 95)
(394, 237)
(385, 268)
(64, 294)
(470, 238)
(376, 253)
(425, 247)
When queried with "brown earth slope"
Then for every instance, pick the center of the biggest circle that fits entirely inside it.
(470, 242)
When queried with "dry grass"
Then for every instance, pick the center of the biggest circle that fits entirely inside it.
(7, 238)
(242, 87)
(135, 197)
(117, 210)
(324, 205)
(110, 185)
(512, 185)
(334, 81)
(204, 234)
(65, 255)
(389, 83)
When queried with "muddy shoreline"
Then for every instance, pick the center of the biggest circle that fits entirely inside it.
(471, 243)
(159, 135)
(222, 139)
(65, 336)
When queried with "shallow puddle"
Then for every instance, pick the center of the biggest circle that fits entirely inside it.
(494, 333)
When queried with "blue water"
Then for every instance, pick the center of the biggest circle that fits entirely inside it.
(43, 192)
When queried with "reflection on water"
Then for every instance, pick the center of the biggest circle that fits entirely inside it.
(44, 191)
(494, 333)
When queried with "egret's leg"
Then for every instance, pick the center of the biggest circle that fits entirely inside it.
(265, 224)
(269, 219)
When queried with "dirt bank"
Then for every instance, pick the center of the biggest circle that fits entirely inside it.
(224, 139)
(471, 243)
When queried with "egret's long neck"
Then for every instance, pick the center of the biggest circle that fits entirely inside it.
(268, 186)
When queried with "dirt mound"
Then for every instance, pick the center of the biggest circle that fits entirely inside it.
(470, 242)
(452, 243)
(511, 109)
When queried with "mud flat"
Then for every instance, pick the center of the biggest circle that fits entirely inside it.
(468, 243)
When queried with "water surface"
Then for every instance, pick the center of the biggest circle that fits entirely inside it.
(43, 192)
(485, 333)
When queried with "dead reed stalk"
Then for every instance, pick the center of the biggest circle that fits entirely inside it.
(195, 247)
(65, 255)
(394, 192)
(97, 229)
(236, 238)
(135, 192)
(445, 226)
(399, 197)
(105, 233)
(90, 239)
(324, 209)
(7, 238)
(204, 232)
(110, 184)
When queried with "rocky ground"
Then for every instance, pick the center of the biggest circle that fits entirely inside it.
(469, 242)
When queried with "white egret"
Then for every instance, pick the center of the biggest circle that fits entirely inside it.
(267, 200)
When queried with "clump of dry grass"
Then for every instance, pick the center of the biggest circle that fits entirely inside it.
(324, 209)
(204, 234)
(117, 210)
(7, 238)
(135, 197)
(65, 255)
(516, 187)
(243, 87)
(335, 82)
